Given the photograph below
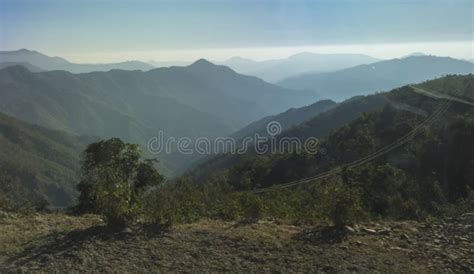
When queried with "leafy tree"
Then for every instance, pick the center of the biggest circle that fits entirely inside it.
(113, 179)
(344, 203)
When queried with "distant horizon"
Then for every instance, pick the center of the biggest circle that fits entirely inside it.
(458, 50)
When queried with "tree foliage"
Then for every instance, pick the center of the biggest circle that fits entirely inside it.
(113, 180)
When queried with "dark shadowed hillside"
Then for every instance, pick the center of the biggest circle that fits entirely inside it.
(287, 119)
(318, 125)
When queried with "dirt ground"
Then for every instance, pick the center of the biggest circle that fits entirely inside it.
(59, 243)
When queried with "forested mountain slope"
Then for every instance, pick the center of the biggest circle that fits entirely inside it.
(410, 175)
(38, 165)
(286, 120)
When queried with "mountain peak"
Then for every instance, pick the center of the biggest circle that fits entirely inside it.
(202, 63)
(25, 51)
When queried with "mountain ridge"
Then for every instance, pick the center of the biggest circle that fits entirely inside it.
(45, 62)
(380, 76)
(305, 62)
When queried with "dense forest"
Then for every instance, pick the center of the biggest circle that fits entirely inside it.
(424, 175)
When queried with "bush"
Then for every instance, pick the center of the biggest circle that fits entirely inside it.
(344, 203)
(243, 206)
(113, 180)
(463, 205)
(177, 202)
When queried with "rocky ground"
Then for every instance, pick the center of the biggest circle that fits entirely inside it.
(60, 243)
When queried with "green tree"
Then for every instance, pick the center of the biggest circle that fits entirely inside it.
(113, 179)
(343, 202)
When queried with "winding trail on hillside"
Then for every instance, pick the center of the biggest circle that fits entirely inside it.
(436, 95)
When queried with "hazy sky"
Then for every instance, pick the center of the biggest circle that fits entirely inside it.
(113, 30)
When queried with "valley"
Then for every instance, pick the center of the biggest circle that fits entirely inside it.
(284, 158)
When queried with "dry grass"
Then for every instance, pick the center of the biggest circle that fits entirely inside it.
(57, 242)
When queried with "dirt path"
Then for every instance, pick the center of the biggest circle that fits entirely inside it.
(441, 96)
(62, 243)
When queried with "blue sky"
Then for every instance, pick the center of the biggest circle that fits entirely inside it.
(108, 28)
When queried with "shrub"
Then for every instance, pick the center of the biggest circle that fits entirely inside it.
(113, 179)
(176, 202)
(344, 203)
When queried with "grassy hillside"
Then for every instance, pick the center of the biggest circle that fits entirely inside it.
(451, 85)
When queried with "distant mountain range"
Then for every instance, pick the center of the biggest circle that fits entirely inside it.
(44, 62)
(380, 76)
(198, 100)
(306, 62)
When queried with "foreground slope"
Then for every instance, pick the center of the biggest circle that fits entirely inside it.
(58, 243)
